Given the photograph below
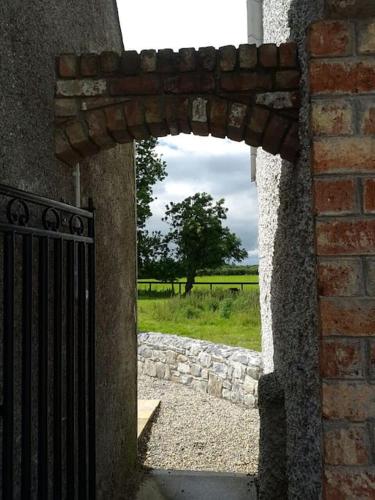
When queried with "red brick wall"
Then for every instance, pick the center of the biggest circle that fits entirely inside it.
(342, 85)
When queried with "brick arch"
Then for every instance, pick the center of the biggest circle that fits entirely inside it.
(247, 94)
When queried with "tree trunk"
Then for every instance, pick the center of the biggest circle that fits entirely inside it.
(190, 280)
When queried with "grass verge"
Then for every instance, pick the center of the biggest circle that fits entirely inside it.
(218, 316)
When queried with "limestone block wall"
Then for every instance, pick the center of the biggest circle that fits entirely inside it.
(342, 84)
(226, 372)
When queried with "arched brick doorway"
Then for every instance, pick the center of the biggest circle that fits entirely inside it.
(247, 94)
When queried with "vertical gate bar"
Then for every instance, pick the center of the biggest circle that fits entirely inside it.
(8, 353)
(82, 444)
(57, 370)
(91, 360)
(70, 336)
(43, 371)
(27, 298)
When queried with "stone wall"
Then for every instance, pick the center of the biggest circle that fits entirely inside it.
(32, 34)
(230, 373)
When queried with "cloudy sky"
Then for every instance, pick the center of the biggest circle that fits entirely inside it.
(217, 166)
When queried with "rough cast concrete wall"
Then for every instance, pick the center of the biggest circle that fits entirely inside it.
(32, 33)
(287, 270)
(223, 371)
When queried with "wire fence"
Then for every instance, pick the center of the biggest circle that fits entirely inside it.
(234, 286)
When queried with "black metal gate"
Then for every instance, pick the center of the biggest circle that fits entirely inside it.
(47, 382)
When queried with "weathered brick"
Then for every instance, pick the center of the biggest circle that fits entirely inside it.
(346, 445)
(199, 118)
(274, 133)
(366, 36)
(258, 119)
(367, 119)
(190, 83)
(344, 154)
(96, 122)
(350, 8)
(148, 61)
(227, 58)
(335, 196)
(332, 118)
(183, 115)
(207, 58)
(354, 401)
(155, 116)
(135, 119)
(187, 59)
(279, 100)
(287, 79)
(116, 123)
(235, 82)
(135, 85)
(346, 237)
(347, 316)
(369, 196)
(340, 277)
(341, 358)
(370, 276)
(78, 136)
(342, 76)
(267, 54)
(218, 117)
(109, 62)
(236, 121)
(67, 66)
(252, 138)
(330, 38)
(248, 56)
(65, 107)
(88, 103)
(166, 61)
(81, 88)
(63, 150)
(89, 65)
(171, 103)
(288, 57)
(130, 62)
(290, 147)
(349, 483)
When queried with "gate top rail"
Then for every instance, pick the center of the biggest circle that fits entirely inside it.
(41, 200)
(28, 213)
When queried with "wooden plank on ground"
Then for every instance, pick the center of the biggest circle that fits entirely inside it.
(146, 410)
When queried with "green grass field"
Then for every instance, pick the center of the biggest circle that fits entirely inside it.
(218, 316)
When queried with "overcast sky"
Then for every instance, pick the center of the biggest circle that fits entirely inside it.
(217, 166)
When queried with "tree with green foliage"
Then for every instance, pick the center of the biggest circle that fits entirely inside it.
(150, 168)
(198, 238)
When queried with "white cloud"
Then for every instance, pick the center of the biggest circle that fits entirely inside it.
(195, 164)
(175, 24)
(194, 145)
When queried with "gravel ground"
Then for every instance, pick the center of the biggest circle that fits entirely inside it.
(197, 431)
